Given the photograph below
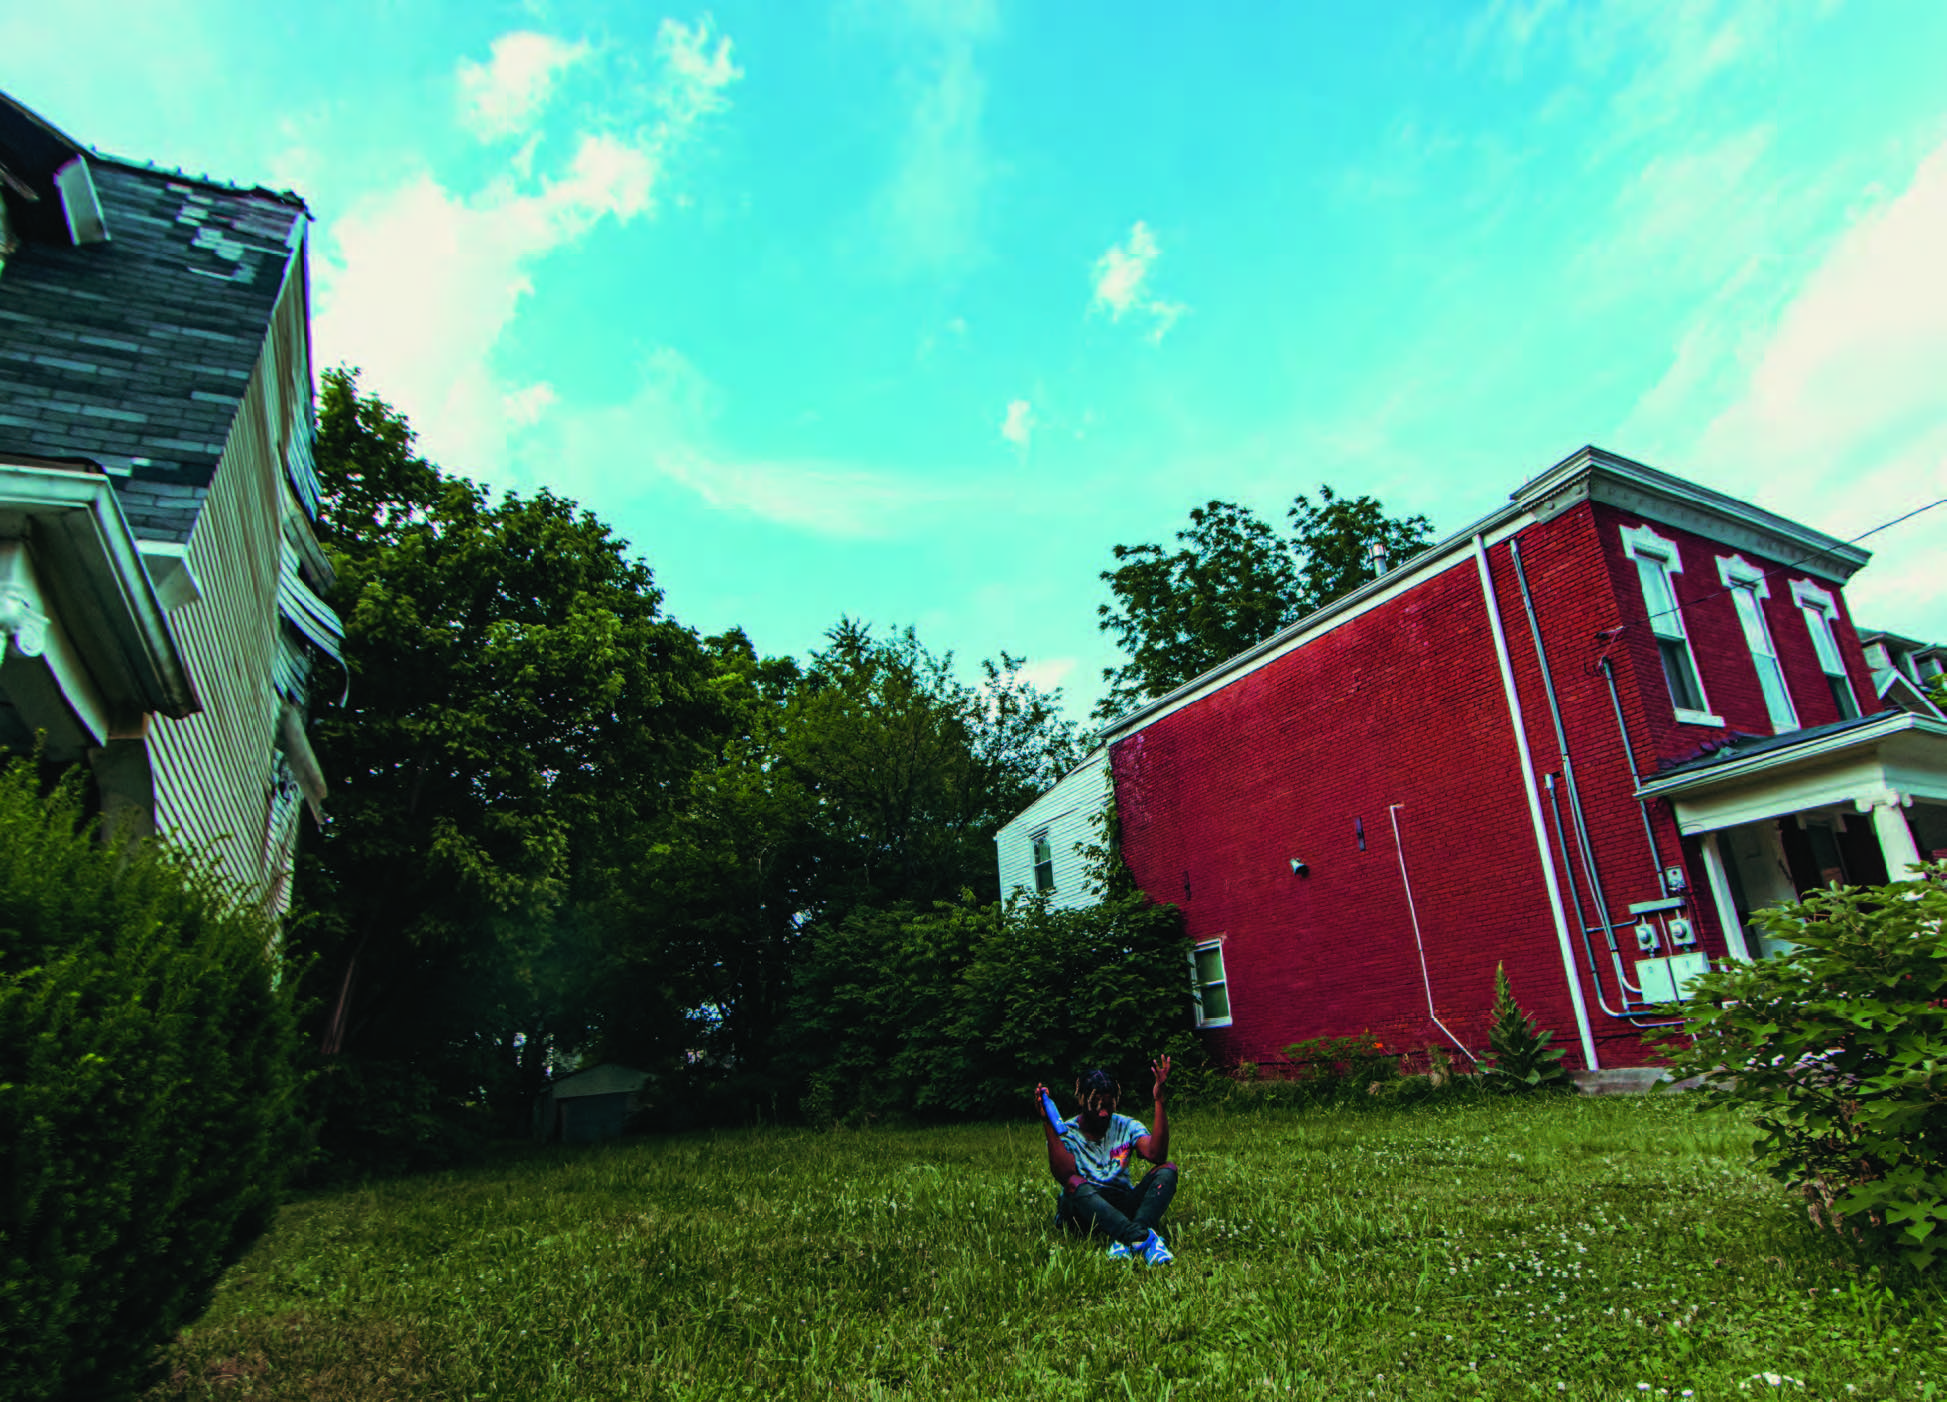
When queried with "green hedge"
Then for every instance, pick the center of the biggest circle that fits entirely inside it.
(147, 1096)
(959, 1010)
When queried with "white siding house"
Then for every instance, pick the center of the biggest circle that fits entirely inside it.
(1041, 849)
(161, 583)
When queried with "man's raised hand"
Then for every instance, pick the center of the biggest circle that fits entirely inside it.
(1160, 1068)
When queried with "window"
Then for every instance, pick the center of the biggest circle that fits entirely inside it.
(1819, 611)
(1657, 562)
(1044, 862)
(1748, 588)
(1211, 988)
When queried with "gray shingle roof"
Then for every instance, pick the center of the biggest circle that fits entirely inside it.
(136, 352)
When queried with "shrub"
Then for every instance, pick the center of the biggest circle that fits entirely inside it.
(1522, 1060)
(959, 1010)
(146, 1095)
(1840, 1046)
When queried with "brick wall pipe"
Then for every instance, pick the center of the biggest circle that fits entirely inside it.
(1534, 806)
(1576, 815)
(1399, 849)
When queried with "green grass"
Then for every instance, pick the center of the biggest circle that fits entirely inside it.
(1608, 1247)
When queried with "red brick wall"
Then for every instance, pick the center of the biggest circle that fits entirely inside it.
(1404, 705)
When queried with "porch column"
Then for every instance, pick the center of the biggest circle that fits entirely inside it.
(1896, 842)
(1720, 894)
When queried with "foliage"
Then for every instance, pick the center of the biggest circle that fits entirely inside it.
(519, 715)
(1839, 1047)
(1520, 1058)
(870, 780)
(1512, 1247)
(960, 1009)
(1233, 583)
(147, 1094)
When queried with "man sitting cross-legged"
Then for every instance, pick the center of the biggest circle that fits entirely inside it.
(1089, 1157)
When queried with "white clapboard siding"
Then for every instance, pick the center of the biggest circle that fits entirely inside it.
(215, 770)
(1068, 814)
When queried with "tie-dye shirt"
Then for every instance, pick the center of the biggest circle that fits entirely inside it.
(1104, 1160)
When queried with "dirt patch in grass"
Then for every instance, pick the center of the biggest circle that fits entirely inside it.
(305, 1357)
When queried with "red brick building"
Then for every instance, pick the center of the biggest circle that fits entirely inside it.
(1585, 736)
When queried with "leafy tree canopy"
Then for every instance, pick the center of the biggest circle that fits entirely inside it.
(1233, 582)
(520, 714)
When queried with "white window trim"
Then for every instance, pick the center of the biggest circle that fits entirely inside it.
(1808, 595)
(1196, 982)
(1640, 541)
(1736, 572)
(1042, 837)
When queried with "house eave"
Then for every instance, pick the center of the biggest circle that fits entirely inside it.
(74, 524)
(1822, 749)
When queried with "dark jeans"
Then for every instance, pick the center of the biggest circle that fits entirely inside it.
(1121, 1214)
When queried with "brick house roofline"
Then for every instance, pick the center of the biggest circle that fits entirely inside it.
(1589, 473)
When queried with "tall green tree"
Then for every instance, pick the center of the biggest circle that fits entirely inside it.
(1233, 582)
(520, 718)
(871, 777)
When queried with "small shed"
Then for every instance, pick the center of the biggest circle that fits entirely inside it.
(590, 1105)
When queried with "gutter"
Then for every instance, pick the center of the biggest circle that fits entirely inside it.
(79, 529)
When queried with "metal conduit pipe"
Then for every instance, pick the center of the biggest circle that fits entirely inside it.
(1414, 911)
(1583, 844)
(1588, 949)
(1636, 777)
(1534, 805)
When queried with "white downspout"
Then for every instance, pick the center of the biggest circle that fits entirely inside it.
(1534, 806)
(1414, 911)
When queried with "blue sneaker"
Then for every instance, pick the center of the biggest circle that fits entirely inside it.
(1153, 1252)
(1122, 1252)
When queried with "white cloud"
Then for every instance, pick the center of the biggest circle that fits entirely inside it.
(1122, 283)
(665, 432)
(928, 213)
(505, 96)
(1018, 425)
(417, 284)
(1048, 673)
(1839, 420)
(698, 71)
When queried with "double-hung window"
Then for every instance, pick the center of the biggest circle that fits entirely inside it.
(1044, 862)
(1657, 564)
(1211, 988)
(1748, 590)
(1819, 610)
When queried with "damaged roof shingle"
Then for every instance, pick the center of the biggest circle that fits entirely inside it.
(134, 352)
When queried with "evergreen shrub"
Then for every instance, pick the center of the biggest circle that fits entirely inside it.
(1839, 1046)
(147, 1095)
(1521, 1059)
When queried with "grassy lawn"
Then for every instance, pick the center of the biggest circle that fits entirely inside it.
(1602, 1247)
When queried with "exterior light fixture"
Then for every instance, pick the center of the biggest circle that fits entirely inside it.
(1298, 868)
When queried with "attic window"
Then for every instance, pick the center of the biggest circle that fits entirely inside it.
(1044, 862)
(80, 203)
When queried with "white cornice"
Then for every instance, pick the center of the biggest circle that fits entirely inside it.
(1736, 769)
(1591, 474)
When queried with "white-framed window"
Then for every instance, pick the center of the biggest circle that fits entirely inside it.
(1749, 589)
(1820, 609)
(1044, 862)
(1210, 986)
(1657, 565)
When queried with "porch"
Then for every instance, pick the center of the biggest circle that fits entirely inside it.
(1860, 802)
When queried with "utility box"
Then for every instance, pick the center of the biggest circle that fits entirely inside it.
(1668, 980)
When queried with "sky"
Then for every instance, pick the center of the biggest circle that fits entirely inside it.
(910, 310)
